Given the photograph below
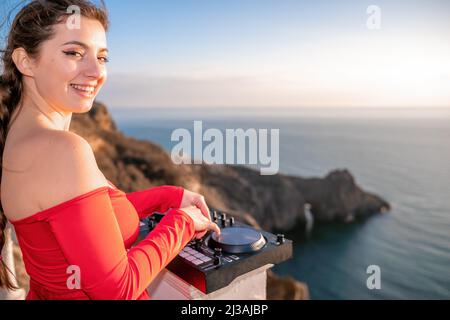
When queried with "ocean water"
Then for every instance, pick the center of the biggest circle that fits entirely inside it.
(402, 155)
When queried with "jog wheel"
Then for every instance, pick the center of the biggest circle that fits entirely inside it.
(237, 240)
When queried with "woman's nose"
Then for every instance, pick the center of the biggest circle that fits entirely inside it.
(94, 68)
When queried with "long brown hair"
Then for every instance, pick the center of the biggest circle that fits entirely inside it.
(31, 26)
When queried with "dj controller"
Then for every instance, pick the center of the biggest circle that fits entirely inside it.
(213, 262)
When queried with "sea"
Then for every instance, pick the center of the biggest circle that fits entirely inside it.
(401, 154)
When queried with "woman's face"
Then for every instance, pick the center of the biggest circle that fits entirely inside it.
(71, 68)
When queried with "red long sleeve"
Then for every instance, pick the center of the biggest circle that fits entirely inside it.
(158, 199)
(89, 236)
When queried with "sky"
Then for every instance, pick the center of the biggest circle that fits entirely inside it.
(277, 53)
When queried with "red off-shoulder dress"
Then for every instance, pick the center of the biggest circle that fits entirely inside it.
(90, 237)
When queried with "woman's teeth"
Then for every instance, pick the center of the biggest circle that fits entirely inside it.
(85, 89)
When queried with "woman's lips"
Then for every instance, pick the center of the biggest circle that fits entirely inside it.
(84, 91)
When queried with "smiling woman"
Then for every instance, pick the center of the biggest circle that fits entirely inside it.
(52, 70)
(35, 80)
(77, 66)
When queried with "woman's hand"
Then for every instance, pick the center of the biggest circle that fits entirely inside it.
(197, 200)
(201, 224)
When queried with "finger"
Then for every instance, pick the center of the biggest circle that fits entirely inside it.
(201, 204)
(214, 227)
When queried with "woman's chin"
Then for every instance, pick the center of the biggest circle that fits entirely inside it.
(82, 106)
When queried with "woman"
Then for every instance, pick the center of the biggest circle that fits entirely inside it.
(74, 227)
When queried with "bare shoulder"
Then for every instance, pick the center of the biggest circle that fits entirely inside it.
(67, 144)
(69, 169)
(48, 167)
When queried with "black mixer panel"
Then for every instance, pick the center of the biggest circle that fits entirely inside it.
(213, 262)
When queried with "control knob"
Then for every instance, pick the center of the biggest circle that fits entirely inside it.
(217, 256)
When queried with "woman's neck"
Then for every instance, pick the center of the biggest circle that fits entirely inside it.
(34, 112)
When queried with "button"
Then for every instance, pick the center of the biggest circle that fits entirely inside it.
(234, 257)
(227, 259)
(218, 260)
(183, 254)
(190, 258)
(206, 259)
(280, 238)
(217, 252)
(197, 262)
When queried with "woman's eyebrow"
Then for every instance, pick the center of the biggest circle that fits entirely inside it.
(83, 45)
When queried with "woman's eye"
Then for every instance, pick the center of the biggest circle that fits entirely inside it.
(73, 53)
(104, 59)
(80, 55)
